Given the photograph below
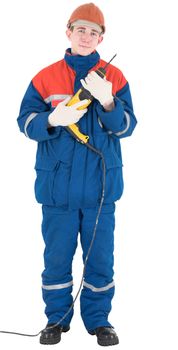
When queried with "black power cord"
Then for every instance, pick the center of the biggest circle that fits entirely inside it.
(88, 253)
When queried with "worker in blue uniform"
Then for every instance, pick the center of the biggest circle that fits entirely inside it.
(69, 176)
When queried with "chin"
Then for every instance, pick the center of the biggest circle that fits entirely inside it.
(85, 51)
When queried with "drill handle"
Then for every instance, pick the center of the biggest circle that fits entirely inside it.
(101, 72)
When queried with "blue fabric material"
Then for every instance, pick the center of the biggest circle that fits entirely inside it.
(60, 229)
(68, 174)
(81, 65)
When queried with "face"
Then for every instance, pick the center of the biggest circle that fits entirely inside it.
(84, 40)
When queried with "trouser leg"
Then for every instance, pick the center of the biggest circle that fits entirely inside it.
(60, 229)
(98, 289)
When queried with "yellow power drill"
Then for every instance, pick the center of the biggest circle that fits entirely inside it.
(81, 95)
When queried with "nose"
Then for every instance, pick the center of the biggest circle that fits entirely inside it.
(86, 37)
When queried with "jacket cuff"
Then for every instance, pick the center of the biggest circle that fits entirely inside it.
(39, 130)
(111, 119)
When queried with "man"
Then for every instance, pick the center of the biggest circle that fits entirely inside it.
(69, 175)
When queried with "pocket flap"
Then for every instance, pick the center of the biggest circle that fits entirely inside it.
(112, 161)
(46, 163)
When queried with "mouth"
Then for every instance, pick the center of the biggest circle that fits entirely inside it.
(84, 46)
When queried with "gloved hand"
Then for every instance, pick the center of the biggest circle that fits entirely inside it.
(66, 115)
(100, 88)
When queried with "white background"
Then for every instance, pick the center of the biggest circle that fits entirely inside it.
(145, 307)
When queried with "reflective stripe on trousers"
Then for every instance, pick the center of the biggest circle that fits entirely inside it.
(97, 290)
(57, 286)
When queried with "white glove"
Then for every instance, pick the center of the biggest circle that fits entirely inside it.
(100, 88)
(66, 115)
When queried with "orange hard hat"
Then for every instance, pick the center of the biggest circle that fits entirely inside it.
(88, 12)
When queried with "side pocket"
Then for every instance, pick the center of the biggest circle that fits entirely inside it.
(114, 178)
(46, 170)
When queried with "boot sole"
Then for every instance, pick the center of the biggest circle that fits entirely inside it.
(108, 342)
(50, 342)
(102, 342)
(54, 341)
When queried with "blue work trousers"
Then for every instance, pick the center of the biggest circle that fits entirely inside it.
(60, 228)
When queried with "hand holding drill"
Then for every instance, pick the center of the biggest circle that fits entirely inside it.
(99, 87)
(64, 115)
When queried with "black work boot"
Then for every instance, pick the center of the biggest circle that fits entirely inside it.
(105, 336)
(51, 336)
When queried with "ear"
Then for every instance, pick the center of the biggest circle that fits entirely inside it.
(100, 39)
(68, 33)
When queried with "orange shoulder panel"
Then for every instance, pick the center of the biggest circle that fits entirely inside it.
(58, 78)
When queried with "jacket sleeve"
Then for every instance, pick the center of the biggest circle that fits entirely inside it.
(33, 117)
(121, 121)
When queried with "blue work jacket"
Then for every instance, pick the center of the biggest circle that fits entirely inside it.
(68, 173)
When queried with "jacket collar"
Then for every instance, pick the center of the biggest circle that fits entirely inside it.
(81, 63)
